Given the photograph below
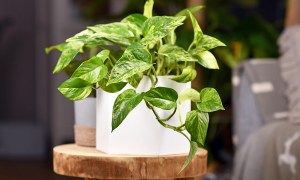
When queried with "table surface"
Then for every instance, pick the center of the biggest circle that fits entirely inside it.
(87, 162)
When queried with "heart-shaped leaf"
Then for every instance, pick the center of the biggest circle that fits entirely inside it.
(206, 59)
(75, 89)
(189, 94)
(112, 88)
(210, 101)
(162, 97)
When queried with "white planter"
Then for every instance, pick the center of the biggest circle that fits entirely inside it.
(85, 122)
(140, 133)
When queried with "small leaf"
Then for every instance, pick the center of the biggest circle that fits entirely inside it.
(192, 153)
(155, 28)
(75, 89)
(206, 59)
(175, 53)
(92, 70)
(135, 80)
(210, 101)
(185, 12)
(135, 22)
(59, 47)
(188, 74)
(68, 54)
(208, 43)
(162, 97)
(148, 8)
(112, 88)
(197, 30)
(136, 59)
(189, 94)
(124, 103)
(196, 124)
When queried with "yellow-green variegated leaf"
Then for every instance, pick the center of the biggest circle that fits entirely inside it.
(162, 97)
(210, 101)
(206, 59)
(188, 74)
(135, 22)
(75, 89)
(175, 53)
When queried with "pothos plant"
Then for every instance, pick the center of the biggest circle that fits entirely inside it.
(144, 45)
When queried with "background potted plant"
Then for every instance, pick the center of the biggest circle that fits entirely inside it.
(140, 54)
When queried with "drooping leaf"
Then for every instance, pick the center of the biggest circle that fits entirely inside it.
(175, 53)
(155, 28)
(207, 43)
(189, 94)
(136, 59)
(59, 47)
(135, 80)
(89, 38)
(162, 97)
(124, 103)
(192, 153)
(112, 88)
(196, 124)
(92, 70)
(67, 55)
(135, 22)
(210, 101)
(188, 74)
(197, 30)
(75, 89)
(206, 59)
(185, 12)
(148, 8)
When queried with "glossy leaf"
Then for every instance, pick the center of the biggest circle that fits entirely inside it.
(72, 67)
(196, 124)
(192, 153)
(88, 37)
(112, 88)
(124, 103)
(210, 101)
(162, 97)
(188, 74)
(208, 43)
(197, 30)
(157, 27)
(135, 80)
(75, 89)
(189, 94)
(148, 8)
(59, 47)
(69, 53)
(93, 70)
(175, 53)
(136, 59)
(185, 12)
(206, 59)
(135, 22)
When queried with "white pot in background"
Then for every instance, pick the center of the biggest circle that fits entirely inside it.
(85, 122)
(140, 133)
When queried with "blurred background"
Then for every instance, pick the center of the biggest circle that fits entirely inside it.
(35, 117)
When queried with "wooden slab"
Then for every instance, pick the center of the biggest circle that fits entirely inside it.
(86, 162)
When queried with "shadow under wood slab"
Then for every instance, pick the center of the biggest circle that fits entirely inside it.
(86, 162)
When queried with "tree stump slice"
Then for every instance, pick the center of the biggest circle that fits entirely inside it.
(88, 163)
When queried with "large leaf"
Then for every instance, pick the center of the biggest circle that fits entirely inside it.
(135, 80)
(210, 101)
(188, 74)
(197, 30)
(93, 70)
(136, 59)
(68, 54)
(175, 53)
(208, 43)
(157, 27)
(135, 22)
(162, 97)
(75, 89)
(192, 153)
(148, 8)
(196, 124)
(112, 88)
(59, 47)
(88, 37)
(189, 94)
(124, 103)
(185, 12)
(206, 59)
(69, 70)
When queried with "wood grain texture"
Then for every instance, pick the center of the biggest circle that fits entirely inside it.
(86, 162)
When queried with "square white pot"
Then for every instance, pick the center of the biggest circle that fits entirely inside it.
(140, 133)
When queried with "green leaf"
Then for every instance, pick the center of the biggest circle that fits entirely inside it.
(197, 30)
(185, 12)
(175, 53)
(59, 47)
(88, 37)
(189, 94)
(72, 67)
(136, 59)
(206, 59)
(124, 103)
(162, 97)
(188, 74)
(75, 89)
(210, 101)
(135, 22)
(192, 153)
(112, 88)
(92, 70)
(196, 124)
(155, 28)
(69, 53)
(135, 80)
(148, 8)
(208, 43)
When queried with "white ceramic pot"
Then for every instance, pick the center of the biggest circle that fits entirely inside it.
(85, 122)
(140, 133)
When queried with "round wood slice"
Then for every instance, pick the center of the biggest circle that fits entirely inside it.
(87, 162)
